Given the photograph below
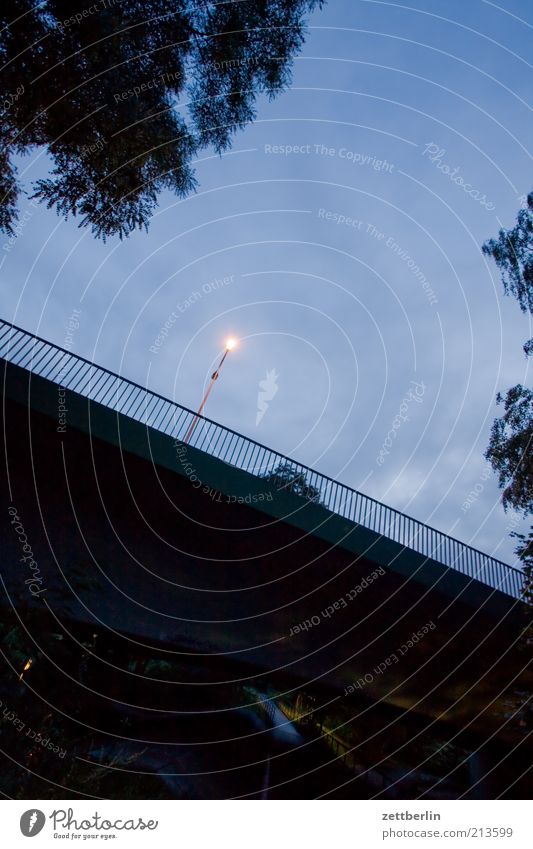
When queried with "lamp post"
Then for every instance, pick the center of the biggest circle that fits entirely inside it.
(230, 344)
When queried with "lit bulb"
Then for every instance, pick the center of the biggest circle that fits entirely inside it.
(27, 665)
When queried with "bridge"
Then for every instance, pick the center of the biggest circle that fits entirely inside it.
(129, 399)
(247, 565)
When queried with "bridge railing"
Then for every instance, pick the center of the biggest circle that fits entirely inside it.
(79, 375)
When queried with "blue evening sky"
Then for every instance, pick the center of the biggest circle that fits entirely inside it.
(340, 241)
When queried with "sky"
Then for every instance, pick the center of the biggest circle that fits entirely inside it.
(340, 241)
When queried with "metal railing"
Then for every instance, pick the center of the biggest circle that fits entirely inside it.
(122, 395)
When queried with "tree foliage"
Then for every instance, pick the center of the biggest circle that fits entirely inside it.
(291, 478)
(510, 449)
(524, 550)
(513, 253)
(98, 86)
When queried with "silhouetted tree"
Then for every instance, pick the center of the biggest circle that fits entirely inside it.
(291, 478)
(98, 86)
(510, 450)
(512, 252)
(511, 439)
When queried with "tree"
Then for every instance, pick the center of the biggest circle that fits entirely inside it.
(524, 550)
(98, 86)
(511, 440)
(512, 252)
(511, 448)
(291, 478)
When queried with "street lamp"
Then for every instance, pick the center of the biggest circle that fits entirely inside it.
(230, 345)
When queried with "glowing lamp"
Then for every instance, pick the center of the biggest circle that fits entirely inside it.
(231, 342)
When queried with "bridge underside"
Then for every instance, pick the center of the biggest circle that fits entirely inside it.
(215, 572)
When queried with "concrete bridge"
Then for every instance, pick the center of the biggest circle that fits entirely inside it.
(226, 553)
